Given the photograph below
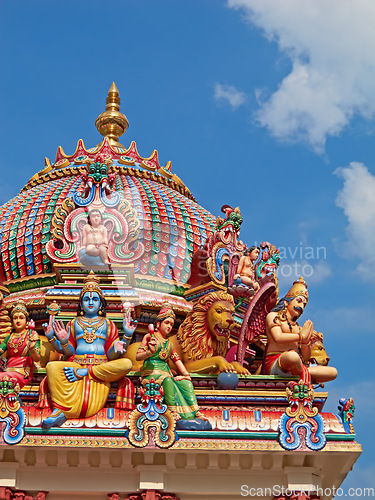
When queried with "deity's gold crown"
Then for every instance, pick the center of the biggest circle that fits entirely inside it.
(166, 312)
(299, 288)
(19, 306)
(91, 284)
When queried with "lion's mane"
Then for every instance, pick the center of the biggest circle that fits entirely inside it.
(194, 336)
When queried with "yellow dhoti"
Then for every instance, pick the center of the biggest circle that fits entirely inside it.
(85, 397)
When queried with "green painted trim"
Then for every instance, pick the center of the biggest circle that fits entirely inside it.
(227, 434)
(183, 434)
(340, 437)
(158, 286)
(33, 283)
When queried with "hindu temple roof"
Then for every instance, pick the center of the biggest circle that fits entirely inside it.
(172, 227)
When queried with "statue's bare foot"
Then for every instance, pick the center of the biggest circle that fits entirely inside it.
(56, 419)
(200, 416)
(74, 374)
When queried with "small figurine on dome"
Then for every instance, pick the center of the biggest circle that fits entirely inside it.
(80, 386)
(94, 250)
(288, 344)
(155, 351)
(246, 269)
(21, 347)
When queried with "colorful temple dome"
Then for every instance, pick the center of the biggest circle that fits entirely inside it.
(171, 227)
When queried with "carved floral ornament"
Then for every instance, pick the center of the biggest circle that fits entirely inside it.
(117, 229)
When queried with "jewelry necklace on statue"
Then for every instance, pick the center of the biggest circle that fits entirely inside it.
(17, 340)
(90, 321)
(289, 324)
(164, 351)
(89, 337)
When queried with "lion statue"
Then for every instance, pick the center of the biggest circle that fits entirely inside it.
(202, 339)
(319, 354)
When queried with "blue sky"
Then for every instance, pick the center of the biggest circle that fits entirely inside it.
(261, 104)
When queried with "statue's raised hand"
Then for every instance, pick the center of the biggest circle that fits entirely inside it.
(61, 332)
(129, 324)
(306, 331)
(48, 328)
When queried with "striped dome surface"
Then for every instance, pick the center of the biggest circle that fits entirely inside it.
(173, 225)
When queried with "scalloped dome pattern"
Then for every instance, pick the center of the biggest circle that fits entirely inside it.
(172, 225)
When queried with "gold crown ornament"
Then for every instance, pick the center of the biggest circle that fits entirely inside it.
(19, 306)
(166, 312)
(299, 289)
(91, 284)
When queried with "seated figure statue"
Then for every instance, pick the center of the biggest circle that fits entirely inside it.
(288, 344)
(155, 351)
(246, 270)
(94, 250)
(80, 386)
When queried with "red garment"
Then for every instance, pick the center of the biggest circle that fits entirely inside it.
(268, 362)
(20, 365)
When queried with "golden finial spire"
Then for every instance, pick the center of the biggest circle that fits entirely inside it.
(112, 123)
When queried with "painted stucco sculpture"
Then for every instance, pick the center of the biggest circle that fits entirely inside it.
(288, 344)
(202, 339)
(12, 414)
(301, 425)
(151, 420)
(139, 227)
(346, 413)
(21, 347)
(80, 386)
(155, 351)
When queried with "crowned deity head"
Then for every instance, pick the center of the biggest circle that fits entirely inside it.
(165, 319)
(19, 315)
(90, 293)
(295, 300)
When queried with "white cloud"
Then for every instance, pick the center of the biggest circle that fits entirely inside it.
(321, 271)
(357, 199)
(313, 271)
(330, 44)
(229, 94)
